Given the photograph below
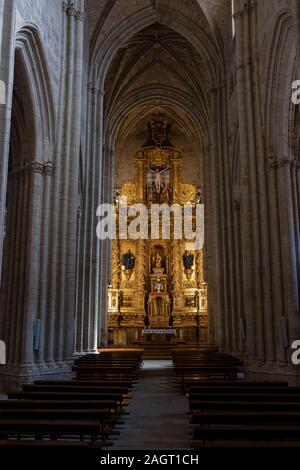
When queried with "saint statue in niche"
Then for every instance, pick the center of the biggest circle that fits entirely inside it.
(188, 259)
(158, 260)
(128, 260)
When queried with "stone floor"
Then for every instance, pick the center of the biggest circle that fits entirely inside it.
(157, 418)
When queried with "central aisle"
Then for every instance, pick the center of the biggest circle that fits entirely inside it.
(157, 418)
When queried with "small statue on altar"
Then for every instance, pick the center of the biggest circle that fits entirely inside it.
(188, 259)
(128, 260)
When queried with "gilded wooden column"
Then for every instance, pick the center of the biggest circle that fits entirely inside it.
(140, 165)
(115, 279)
(176, 166)
(176, 269)
(140, 277)
(199, 267)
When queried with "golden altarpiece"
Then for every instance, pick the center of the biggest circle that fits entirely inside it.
(156, 283)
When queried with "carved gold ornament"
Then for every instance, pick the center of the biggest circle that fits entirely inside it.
(158, 157)
(129, 190)
(188, 193)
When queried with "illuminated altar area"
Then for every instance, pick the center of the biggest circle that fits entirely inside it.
(156, 283)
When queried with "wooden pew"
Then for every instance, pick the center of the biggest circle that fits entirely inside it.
(103, 418)
(205, 365)
(221, 384)
(246, 417)
(102, 371)
(225, 371)
(105, 391)
(248, 433)
(51, 451)
(250, 405)
(200, 445)
(54, 410)
(243, 397)
(39, 427)
(109, 401)
(244, 413)
(103, 383)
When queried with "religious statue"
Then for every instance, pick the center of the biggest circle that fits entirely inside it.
(188, 260)
(128, 260)
(158, 130)
(159, 306)
(157, 260)
(165, 192)
(158, 178)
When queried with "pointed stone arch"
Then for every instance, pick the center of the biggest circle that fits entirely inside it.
(30, 52)
(279, 108)
(32, 144)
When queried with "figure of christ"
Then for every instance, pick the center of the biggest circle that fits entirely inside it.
(158, 178)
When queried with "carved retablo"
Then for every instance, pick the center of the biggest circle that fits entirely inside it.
(157, 283)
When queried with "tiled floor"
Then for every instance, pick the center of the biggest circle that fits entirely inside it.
(158, 418)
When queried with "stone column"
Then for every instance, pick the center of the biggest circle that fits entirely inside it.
(42, 312)
(52, 310)
(211, 255)
(106, 251)
(20, 293)
(288, 246)
(296, 10)
(7, 36)
(65, 189)
(258, 203)
(29, 296)
(246, 180)
(217, 203)
(90, 265)
(73, 178)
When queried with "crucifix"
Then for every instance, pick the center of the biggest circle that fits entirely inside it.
(158, 178)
